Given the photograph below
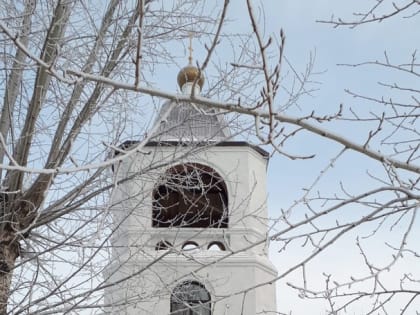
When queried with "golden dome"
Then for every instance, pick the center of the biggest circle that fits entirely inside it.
(189, 74)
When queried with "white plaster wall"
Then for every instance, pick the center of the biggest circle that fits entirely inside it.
(227, 280)
(243, 169)
(244, 172)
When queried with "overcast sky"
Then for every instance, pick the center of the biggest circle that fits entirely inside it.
(399, 37)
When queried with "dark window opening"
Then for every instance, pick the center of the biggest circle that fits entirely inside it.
(191, 195)
(190, 298)
(163, 245)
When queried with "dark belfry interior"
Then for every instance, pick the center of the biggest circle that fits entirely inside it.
(190, 195)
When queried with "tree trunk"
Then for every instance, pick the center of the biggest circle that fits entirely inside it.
(9, 251)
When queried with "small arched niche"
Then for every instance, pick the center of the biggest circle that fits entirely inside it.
(163, 245)
(190, 245)
(216, 246)
(190, 195)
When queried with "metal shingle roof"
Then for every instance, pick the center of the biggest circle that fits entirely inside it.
(188, 122)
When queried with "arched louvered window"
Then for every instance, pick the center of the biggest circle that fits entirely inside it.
(190, 298)
(190, 195)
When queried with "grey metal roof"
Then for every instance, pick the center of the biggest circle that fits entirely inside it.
(188, 122)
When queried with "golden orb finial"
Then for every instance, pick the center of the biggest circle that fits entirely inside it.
(190, 73)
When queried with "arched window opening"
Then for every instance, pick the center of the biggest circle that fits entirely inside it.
(190, 298)
(216, 246)
(190, 246)
(163, 245)
(191, 195)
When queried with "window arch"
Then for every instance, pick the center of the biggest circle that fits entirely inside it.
(190, 195)
(190, 298)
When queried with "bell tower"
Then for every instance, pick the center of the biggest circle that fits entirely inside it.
(190, 218)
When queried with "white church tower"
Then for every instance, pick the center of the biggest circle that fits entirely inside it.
(190, 219)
